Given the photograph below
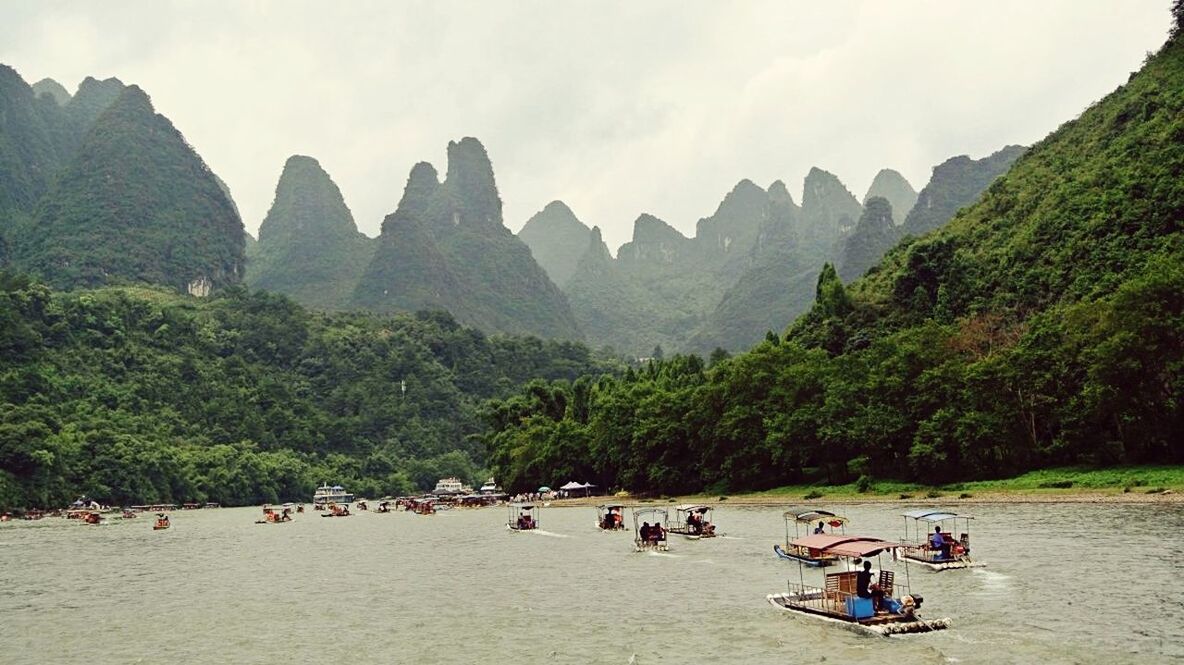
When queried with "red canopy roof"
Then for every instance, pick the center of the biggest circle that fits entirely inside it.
(850, 546)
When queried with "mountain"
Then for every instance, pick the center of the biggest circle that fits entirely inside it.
(892, 186)
(557, 239)
(56, 92)
(309, 247)
(874, 234)
(91, 100)
(829, 209)
(446, 246)
(30, 153)
(135, 203)
(956, 183)
(611, 307)
(776, 286)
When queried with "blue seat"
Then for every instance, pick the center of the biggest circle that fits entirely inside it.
(860, 608)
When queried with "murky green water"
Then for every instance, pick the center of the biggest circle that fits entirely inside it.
(1065, 584)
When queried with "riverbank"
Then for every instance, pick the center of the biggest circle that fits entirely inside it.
(1148, 484)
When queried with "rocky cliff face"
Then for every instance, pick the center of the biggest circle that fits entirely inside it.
(557, 239)
(309, 246)
(446, 247)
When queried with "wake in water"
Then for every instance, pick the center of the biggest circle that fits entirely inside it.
(668, 555)
(549, 534)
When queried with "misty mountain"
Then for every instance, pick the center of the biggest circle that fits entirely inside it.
(48, 86)
(446, 246)
(309, 247)
(874, 235)
(894, 188)
(557, 239)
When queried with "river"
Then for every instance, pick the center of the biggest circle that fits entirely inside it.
(1065, 583)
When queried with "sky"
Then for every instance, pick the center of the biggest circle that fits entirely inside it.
(616, 108)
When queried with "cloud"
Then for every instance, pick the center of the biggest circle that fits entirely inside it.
(616, 108)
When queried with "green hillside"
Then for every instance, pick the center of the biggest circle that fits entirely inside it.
(140, 394)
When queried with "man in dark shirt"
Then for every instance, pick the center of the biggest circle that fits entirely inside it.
(864, 587)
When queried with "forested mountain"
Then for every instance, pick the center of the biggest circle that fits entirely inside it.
(1044, 325)
(557, 239)
(446, 246)
(956, 183)
(135, 203)
(139, 395)
(309, 247)
(98, 188)
(894, 188)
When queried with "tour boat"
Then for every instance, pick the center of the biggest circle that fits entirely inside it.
(610, 517)
(451, 486)
(335, 494)
(654, 537)
(522, 517)
(162, 522)
(803, 518)
(692, 521)
(918, 544)
(837, 600)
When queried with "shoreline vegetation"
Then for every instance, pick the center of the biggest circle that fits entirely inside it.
(1143, 484)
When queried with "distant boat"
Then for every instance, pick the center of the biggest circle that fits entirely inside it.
(451, 486)
(335, 494)
(919, 548)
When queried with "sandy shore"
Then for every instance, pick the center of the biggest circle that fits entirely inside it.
(776, 500)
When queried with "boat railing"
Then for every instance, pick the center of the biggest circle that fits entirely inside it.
(833, 600)
(817, 599)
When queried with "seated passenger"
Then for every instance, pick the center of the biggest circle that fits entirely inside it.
(938, 542)
(821, 528)
(644, 532)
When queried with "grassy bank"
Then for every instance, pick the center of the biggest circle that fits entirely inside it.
(1117, 484)
(1067, 481)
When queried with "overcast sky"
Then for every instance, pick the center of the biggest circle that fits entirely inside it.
(616, 108)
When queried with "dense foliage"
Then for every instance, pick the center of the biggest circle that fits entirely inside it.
(1043, 326)
(134, 395)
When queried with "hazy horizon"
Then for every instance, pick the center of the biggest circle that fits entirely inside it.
(615, 110)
